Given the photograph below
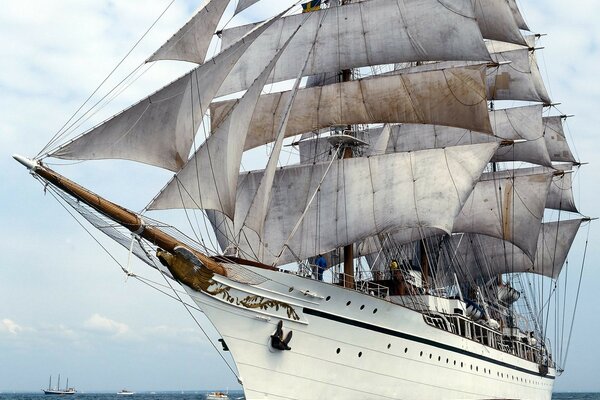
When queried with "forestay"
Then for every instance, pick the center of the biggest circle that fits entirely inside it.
(452, 97)
(359, 198)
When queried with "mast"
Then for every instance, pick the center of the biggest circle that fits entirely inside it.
(122, 216)
(50, 383)
(348, 249)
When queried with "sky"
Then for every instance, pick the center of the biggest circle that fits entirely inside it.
(65, 305)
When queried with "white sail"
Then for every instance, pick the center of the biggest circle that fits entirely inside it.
(159, 130)
(359, 34)
(557, 145)
(517, 14)
(508, 208)
(243, 4)
(517, 77)
(359, 197)
(500, 257)
(518, 123)
(210, 176)
(191, 42)
(450, 97)
(497, 21)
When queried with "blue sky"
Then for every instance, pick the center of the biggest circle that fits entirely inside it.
(65, 306)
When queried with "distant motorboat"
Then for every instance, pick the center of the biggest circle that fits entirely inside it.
(125, 392)
(57, 390)
(217, 396)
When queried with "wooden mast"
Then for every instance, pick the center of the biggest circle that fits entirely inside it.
(349, 249)
(120, 215)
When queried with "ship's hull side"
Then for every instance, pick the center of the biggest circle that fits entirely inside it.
(348, 345)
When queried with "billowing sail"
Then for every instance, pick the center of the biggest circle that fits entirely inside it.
(191, 42)
(517, 77)
(481, 256)
(508, 208)
(160, 129)
(360, 34)
(243, 4)
(452, 97)
(211, 174)
(497, 21)
(358, 198)
(556, 142)
(517, 14)
(518, 123)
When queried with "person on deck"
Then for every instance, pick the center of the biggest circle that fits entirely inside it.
(321, 264)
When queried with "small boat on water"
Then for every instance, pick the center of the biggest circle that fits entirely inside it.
(125, 392)
(217, 396)
(57, 390)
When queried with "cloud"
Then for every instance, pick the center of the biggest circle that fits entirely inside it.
(98, 323)
(10, 326)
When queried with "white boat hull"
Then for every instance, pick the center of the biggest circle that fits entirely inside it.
(348, 345)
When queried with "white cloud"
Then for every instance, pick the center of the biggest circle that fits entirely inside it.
(98, 323)
(10, 326)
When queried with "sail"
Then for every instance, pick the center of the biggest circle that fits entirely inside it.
(243, 4)
(359, 34)
(160, 129)
(211, 174)
(358, 198)
(191, 42)
(500, 257)
(557, 145)
(497, 21)
(517, 14)
(508, 208)
(515, 77)
(518, 123)
(453, 97)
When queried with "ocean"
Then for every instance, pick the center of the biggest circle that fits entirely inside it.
(200, 395)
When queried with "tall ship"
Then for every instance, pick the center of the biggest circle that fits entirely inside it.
(405, 229)
(57, 390)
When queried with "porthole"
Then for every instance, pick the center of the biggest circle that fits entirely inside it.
(327, 298)
(471, 367)
(439, 358)
(461, 364)
(484, 371)
(291, 289)
(338, 350)
(374, 311)
(360, 353)
(405, 349)
(447, 361)
(348, 303)
(454, 362)
(362, 307)
(389, 345)
(477, 369)
(421, 354)
(430, 355)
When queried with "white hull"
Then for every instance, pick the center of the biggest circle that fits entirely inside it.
(385, 351)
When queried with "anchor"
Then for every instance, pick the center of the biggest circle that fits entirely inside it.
(277, 340)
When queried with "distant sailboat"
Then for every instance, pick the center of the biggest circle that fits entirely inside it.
(57, 390)
(217, 396)
(125, 392)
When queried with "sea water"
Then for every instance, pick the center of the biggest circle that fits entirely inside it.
(200, 395)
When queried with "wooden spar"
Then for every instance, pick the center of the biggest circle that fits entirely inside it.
(349, 249)
(120, 215)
